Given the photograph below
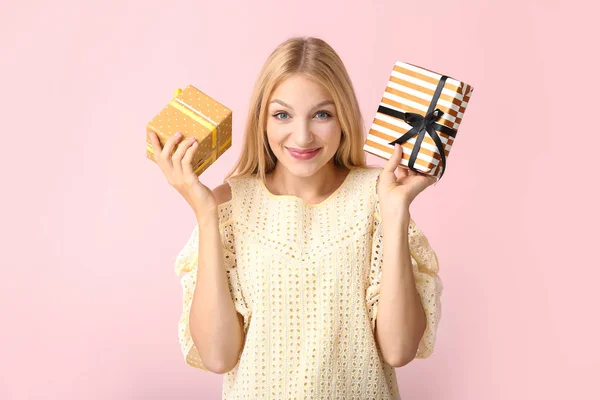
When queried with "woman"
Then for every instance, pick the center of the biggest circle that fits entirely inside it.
(286, 290)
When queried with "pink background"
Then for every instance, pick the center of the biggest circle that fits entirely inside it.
(90, 228)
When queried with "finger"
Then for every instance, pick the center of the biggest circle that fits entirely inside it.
(186, 161)
(170, 146)
(156, 147)
(394, 160)
(180, 152)
(403, 172)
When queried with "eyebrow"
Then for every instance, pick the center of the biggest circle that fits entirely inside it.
(321, 104)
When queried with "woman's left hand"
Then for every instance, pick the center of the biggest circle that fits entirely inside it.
(396, 193)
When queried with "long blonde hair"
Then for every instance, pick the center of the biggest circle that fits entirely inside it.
(317, 60)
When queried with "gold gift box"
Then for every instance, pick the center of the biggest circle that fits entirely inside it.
(412, 89)
(193, 113)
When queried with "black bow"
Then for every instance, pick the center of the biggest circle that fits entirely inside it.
(422, 125)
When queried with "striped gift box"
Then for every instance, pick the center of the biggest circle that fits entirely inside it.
(421, 110)
(194, 113)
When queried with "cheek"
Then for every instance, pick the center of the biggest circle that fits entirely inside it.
(329, 133)
(274, 136)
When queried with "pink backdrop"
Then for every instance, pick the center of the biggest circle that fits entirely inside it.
(90, 228)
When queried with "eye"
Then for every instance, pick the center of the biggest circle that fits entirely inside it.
(327, 115)
(280, 113)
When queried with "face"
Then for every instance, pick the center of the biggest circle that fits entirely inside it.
(303, 129)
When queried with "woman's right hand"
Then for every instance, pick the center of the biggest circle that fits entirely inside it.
(177, 167)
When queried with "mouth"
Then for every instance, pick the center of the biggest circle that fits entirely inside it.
(303, 154)
(302, 151)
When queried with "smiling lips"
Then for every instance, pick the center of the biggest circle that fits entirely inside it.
(303, 154)
(301, 150)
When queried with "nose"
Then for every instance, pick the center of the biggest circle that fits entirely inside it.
(303, 135)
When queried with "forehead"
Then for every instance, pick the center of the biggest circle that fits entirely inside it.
(300, 90)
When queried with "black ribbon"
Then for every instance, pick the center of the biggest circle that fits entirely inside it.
(421, 125)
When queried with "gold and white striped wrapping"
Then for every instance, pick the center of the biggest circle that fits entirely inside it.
(194, 113)
(410, 89)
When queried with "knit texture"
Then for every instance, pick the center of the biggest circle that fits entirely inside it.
(306, 279)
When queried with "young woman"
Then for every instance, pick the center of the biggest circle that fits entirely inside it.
(287, 289)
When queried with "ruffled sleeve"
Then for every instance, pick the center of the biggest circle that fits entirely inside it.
(425, 270)
(186, 263)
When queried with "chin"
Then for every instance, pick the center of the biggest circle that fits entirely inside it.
(305, 170)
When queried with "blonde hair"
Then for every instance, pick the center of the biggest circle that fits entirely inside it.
(315, 59)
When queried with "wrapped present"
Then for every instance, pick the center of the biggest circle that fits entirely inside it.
(421, 110)
(194, 113)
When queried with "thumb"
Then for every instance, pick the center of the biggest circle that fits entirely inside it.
(394, 160)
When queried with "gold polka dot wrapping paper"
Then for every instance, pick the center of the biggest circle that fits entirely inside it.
(194, 113)
(421, 110)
